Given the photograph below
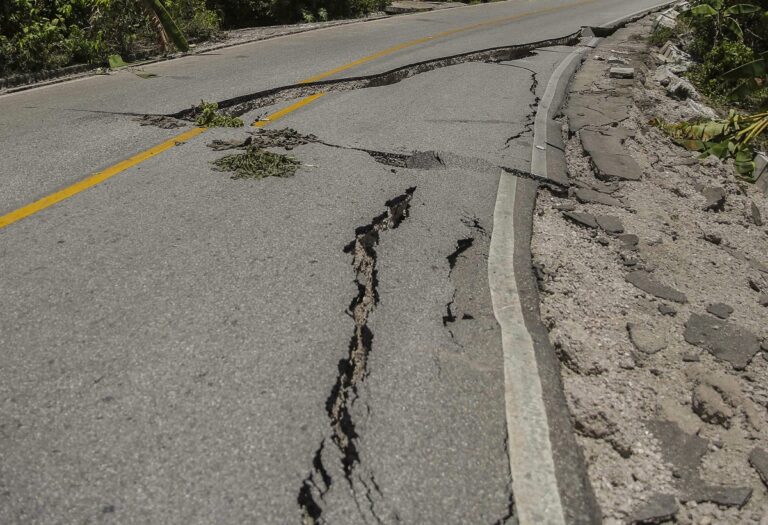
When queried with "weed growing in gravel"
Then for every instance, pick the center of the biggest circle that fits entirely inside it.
(256, 163)
(209, 117)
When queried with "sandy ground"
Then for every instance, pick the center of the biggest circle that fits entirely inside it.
(672, 431)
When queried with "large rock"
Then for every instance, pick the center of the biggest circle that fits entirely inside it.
(643, 280)
(724, 340)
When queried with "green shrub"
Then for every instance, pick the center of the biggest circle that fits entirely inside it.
(723, 57)
(660, 36)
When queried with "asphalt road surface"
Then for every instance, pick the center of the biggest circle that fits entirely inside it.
(182, 347)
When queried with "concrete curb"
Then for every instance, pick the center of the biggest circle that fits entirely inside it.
(549, 476)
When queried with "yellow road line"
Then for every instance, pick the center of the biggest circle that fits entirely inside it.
(290, 109)
(96, 178)
(101, 176)
(411, 43)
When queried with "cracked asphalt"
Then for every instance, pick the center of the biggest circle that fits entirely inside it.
(174, 342)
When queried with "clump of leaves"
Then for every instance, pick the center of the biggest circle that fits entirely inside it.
(257, 163)
(209, 117)
(660, 36)
(729, 138)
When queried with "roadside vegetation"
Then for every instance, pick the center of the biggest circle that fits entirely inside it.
(38, 35)
(728, 42)
(257, 163)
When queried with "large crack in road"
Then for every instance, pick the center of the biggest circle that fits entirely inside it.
(353, 370)
(240, 105)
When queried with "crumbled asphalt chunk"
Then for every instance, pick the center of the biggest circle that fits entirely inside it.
(758, 458)
(610, 167)
(710, 406)
(645, 339)
(715, 198)
(583, 219)
(681, 449)
(629, 241)
(425, 160)
(719, 495)
(721, 310)
(713, 238)
(666, 309)
(643, 281)
(726, 341)
(610, 223)
(160, 121)
(658, 509)
(755, 213)
(684, 451)
(587, 196)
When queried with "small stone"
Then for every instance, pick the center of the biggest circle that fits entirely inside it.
(587, 196)
(764, 346)
(610, 223)
(726, 341)
(691, 357)
(720, 310)
(755, 212)
(658, 509)
(754, 284)
(665, 309)
(763, 299)
(567, 206)
(715, 198)
(584, 219)
(643, 281)
(713, 238)
(629, 240)
(622, 72)
(758, 458)
(603, 241)
(709, 405)
(645, 339)
(425, 160)
(613, 59)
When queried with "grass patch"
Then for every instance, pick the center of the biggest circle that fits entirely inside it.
(257, 163)
(210, 117)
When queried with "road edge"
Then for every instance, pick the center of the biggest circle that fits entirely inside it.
(550, 482)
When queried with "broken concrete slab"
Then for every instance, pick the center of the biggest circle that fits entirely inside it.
(758, 458)
(610, 224)
(622, 72)
(584, 219)
(642, 280)
(588, 196)
(681, 449)
(658, 509)
(645, 339)
(589, 110)
(611, 166)
(726, 341)
(721, 310)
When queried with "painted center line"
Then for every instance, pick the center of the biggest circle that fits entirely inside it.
(101, 176)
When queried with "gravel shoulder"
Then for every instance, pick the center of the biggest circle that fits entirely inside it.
(654, 279)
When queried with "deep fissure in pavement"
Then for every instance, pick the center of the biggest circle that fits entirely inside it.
(462, 245)
(530, 119)
(353, 369)
(242, 104)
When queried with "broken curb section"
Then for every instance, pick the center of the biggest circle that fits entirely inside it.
(550, 480)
